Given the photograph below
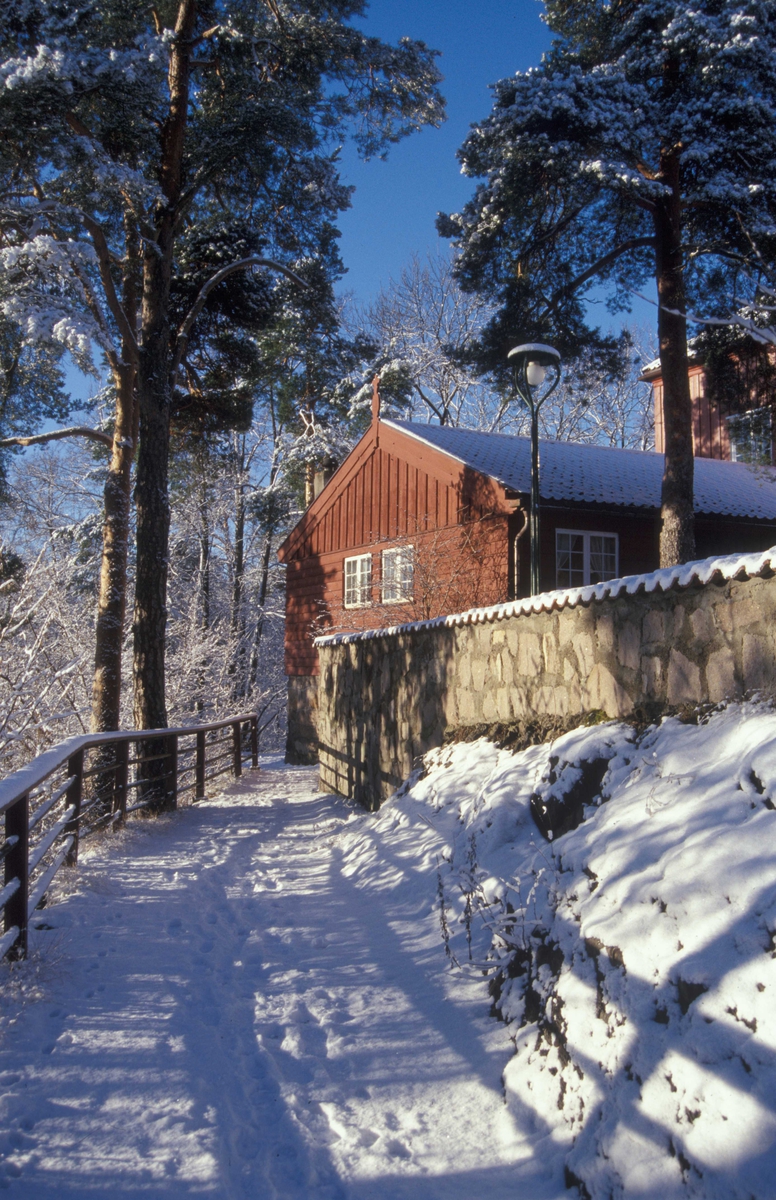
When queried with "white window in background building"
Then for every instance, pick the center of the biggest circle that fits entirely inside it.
(358, 581)
(751, 436)
(398, 564)
(582, 557)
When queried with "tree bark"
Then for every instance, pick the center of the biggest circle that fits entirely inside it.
(237, 616)
(677, 531)
(154, 385)
(112, 596)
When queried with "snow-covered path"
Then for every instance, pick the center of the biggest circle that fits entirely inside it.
(223, 1008)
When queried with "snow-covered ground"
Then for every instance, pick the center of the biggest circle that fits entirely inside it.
(228, 1005)
(273, 995)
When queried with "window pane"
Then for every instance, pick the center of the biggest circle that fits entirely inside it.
(570, 559)
(603, 557)
(397, 574)
(358, 580)
(751, 436)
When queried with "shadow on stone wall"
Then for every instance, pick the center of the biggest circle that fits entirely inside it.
(382, 704)
(385, 700)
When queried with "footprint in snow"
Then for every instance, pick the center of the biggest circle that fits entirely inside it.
(397, 1149)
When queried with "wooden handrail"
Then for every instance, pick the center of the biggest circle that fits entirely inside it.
(26, 779)
(29, 866)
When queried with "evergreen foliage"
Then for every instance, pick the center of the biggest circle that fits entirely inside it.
(643, 149)
(158, 155)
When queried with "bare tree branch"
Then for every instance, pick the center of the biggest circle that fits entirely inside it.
(241, 265)
(55, 435)
(599, 265)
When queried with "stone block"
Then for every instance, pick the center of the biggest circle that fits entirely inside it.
(464, 671)
(573, 689)
(489, 710)
(629, 646)
(758, 663)
(550, 653)
(567, 626)
(736, 612)
(679, 618)
(583, 648)
(519, 704)
(651, 674)
(529, 659)
(465, 706)
(684, 680)
(653, 627)
(746, 611)
(604, 629)
(512, 640)
(479, 668)
(507, 670)
(601, 690)
(503, 707)
(498, 637)
(544, 702)
(702, 625)
(721, 676)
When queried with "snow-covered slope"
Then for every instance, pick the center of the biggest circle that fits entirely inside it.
(276, 995)
(633, 955)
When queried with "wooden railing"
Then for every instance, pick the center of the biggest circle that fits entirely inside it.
(94, 782)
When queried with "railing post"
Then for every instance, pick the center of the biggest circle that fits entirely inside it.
(17, 825)
(254, 741)
(172, 782)
(199, 791)
(74, 796)
(236, 750)
(122, 780)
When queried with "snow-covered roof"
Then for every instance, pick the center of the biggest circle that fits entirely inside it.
(601, 474)
(703, 571)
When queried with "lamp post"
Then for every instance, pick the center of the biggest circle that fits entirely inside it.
(531, 363)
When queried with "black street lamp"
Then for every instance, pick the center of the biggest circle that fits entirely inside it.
(531, 363)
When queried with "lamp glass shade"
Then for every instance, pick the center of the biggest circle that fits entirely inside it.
(535, 374)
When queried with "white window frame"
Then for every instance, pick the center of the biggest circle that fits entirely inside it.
(586, 535)
(401, 590)
(357, 581)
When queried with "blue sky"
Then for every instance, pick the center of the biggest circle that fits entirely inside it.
(396, 201)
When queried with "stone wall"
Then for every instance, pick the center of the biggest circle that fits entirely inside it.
(302, 732)
(386, 698)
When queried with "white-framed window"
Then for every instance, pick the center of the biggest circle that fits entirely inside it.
(398, 570)
(582, 557)
(751, 436)
(358, 581)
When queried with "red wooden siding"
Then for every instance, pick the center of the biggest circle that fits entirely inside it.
(394, 489)
(709, 430)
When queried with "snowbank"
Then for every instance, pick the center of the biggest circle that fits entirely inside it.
(631, 950)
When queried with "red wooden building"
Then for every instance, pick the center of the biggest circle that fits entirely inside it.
(733, 422)
(421, 520)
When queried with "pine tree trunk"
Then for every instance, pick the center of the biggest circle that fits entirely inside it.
(237, 617)
(153, 531)
(677, 532)
(154, 388)
(112, 597)
(259, 631)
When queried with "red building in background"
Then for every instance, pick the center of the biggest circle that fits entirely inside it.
(423, 520)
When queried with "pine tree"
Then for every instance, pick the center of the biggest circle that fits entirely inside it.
(145, 140)
(641, 149)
